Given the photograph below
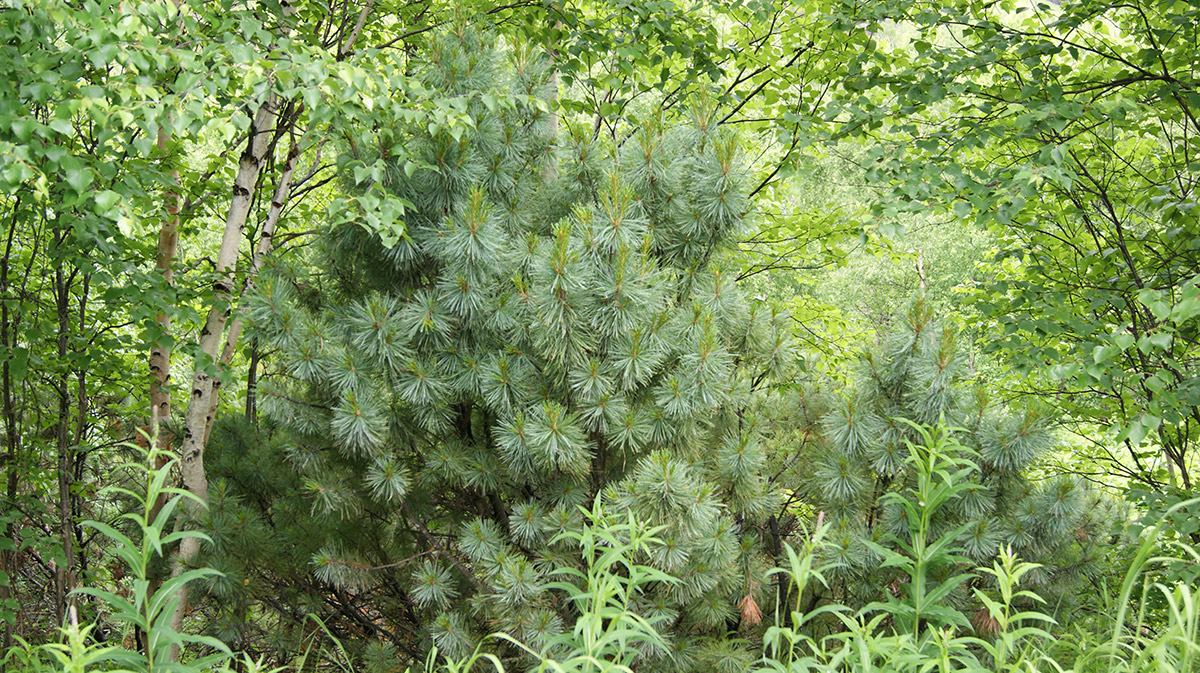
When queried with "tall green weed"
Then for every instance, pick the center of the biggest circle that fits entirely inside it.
(1154, 623)
(142, 608)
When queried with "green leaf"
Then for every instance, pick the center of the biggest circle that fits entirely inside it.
(18, 363)
(106, 204)
(79, 179)
(62, 127)
(23, 129)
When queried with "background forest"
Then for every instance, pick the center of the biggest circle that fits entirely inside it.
(599, 335)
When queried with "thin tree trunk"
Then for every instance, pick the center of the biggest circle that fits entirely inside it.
(265, 242)
(921, 270)
(160, 351)
(194, 430)
(79, 458)
(252, 383)
(11, 433)
(65, 575)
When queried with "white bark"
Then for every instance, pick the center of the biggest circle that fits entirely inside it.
(200, 397)
(265, 242)
(160, 356)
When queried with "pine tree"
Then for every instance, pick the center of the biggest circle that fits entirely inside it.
(556, 325)
(919, 375)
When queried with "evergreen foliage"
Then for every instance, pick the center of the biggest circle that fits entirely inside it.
(918, 379)
(555, 325)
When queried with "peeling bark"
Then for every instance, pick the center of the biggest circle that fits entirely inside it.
(201, 390)
(160, 354)
(265, 243)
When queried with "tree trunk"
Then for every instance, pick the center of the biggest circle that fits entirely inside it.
(252, 383)
(200, 399)
(265, 241)
(160, 350)
(81, 411)
(11, 433)
(65, 575)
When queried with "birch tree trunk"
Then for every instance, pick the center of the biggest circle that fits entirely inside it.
(202, 399)
(160, 354)
(201, 390)
(265, 242)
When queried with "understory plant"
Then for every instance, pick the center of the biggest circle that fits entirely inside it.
(610, 635)
(917, 631)
(612, 630)
(138, 605)
(885, 637)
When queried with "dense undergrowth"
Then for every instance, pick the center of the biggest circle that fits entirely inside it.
(1149, 623)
